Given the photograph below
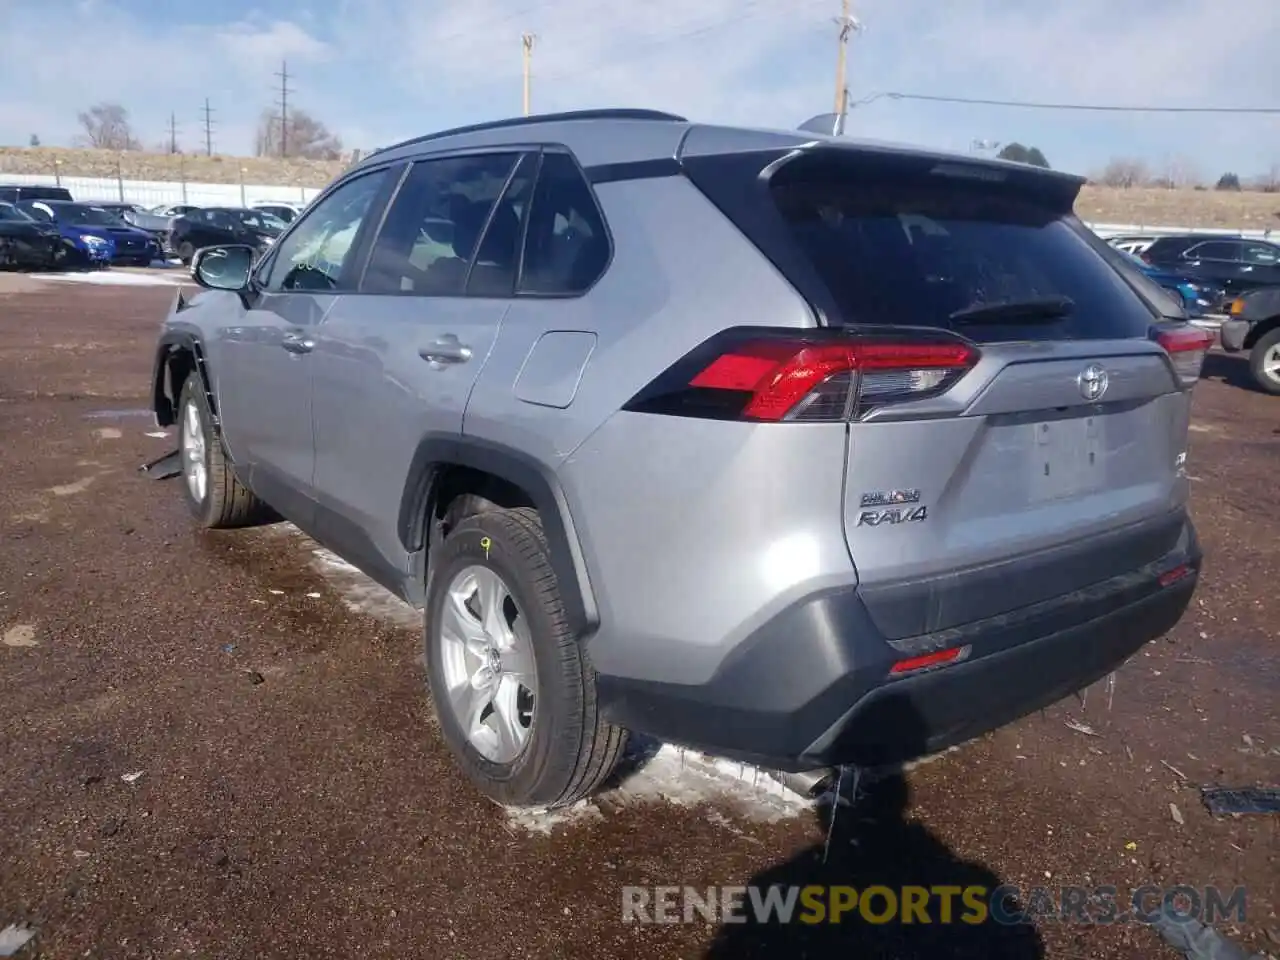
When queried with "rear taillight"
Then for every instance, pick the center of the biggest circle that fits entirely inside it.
(1237, 307)
(1186, 346)
(772, 375)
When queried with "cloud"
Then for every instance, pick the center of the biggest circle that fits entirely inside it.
(378, 70)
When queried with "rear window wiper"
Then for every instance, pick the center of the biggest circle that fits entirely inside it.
(1015, 311)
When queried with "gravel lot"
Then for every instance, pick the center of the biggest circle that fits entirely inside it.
(295, 799)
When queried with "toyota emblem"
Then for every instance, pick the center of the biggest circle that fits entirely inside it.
(1093, 382)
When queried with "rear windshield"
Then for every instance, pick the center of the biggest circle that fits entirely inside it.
(915, 248)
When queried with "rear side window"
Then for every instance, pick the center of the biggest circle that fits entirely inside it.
(435, 223)
(1214, 250)
(1261, 254)
(566, 246)
(916, 248)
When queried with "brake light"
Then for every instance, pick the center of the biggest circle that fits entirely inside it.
(771, 376)
(1186, 346)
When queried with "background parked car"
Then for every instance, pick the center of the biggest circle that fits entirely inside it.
(135, 215)
(100, 236)
(285, 212)
(212, 226)
(1254, 326)
(13, 192)
(1233, 262)
(1198, 297)
(173, 209)
(27, 242)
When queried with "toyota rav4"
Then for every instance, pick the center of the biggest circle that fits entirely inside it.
(791, 448)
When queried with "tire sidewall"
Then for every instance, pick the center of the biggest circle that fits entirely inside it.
(512, 782)
(1269, 342)
(194, 395)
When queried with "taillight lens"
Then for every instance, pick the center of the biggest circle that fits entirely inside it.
(1186, 346)
(1237, 307)
(771, 376)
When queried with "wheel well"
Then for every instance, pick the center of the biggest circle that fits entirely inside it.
(1260, 330)
(458, 492)
(178, 363)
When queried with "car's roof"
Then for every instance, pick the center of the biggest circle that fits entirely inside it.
(600, 137)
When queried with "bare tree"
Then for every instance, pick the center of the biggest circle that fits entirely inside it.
(1269, 182)
(106, 127)
(1180, 173)
(1125, 172)
(34, 141)
(305, 136)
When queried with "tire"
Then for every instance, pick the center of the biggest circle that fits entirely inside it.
(221, 501)
(1264, 362)
(185, 252)
(568, 749)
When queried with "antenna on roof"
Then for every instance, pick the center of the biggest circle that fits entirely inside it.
(828, 124)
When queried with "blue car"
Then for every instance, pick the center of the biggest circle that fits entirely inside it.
(1198, 297)
(96, 236)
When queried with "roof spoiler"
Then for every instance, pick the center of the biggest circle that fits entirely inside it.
(828, 124)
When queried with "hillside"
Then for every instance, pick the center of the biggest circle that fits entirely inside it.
(1154, 207)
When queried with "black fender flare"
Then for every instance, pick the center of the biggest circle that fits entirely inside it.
(436, 451)
(171, 341)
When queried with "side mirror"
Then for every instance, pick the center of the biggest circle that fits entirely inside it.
(225, 267)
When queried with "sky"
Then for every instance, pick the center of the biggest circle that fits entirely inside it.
(376, 71)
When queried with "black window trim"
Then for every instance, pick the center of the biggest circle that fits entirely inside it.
(520, 152)
(1189, 253)
(522, 149)
(376, 211)
(560, 148)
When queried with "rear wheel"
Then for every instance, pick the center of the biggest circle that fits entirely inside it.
(512, 690)
(215, 497)
(1264, 362)
(185, 252)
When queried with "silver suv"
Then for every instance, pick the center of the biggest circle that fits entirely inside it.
(794, 449)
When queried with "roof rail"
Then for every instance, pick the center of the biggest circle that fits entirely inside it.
(616, 113)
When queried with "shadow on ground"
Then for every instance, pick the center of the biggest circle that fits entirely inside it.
(872, 844)
(1231, 369)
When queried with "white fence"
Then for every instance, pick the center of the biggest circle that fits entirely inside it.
(150, 193)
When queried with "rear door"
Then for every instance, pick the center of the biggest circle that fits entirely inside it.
(1261, 265)
(396, 360)
(1218, 261)
(1054, 461)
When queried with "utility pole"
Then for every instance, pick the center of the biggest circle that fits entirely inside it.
(849, 25)
(526, 45)
(208, 128)
(284, 108)
(173, 133)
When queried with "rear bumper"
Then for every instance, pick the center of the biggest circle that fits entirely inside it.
(1232, 335)
(813, 688)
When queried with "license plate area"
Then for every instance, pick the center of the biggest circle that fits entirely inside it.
(1067, 458)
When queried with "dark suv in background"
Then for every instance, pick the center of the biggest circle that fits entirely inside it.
(13, 192)
(1231, 262)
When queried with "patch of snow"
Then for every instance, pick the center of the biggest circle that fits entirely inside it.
(682, 778)
(14, 937)
(108, 278)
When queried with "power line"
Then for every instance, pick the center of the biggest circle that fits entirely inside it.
(208, 128)
(1095, 107)
(283, 74)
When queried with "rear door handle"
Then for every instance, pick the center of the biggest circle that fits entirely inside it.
(448, 349)
(298, 343)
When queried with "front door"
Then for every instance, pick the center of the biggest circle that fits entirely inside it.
(264, 368)
(396, 361)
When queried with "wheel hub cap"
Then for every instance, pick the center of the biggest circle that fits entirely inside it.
(487, 664)
(195, 465)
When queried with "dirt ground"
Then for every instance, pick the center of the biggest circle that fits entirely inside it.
(1143, 206)
(206, 753)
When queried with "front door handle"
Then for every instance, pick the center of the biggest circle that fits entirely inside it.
(448, 349)
(298, 343)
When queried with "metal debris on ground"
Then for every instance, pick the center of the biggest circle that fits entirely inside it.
(1197, 941)
(1181, 775)
(14, 937)
(131, 777)
(1224, 800)
(1176, 814)
(1080, 727)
